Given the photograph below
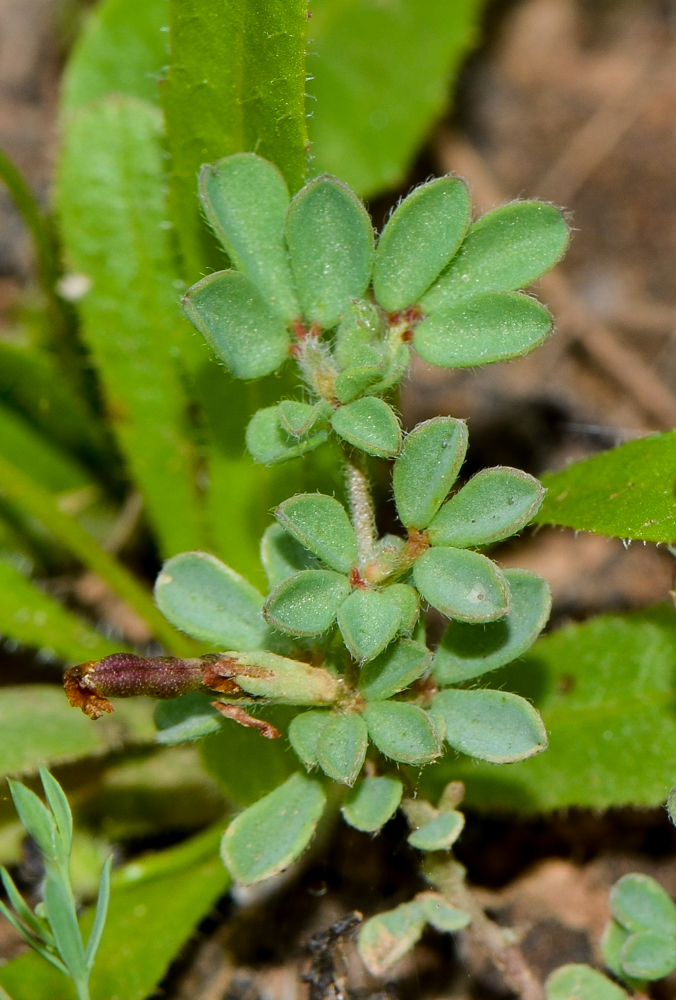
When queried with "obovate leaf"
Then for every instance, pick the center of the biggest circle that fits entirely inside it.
(282, 555)
(427, 468)
(402, 731)
(370, 425)
(628, 492)
(113, 217)
(419, 240)
(330, 239)
(321, 524)
(468, 650)
(440, 833)
(649, 955)
(205, 598)
(307, 603)
(462, 584)
(391, 672)
(245, 199)
(304, 733)
(386, 938)
(507, 249)
(269, 443)
(408, 605)
(440, 914)
(268, 836)
(493, 505)
(580, 982)
(238, 324)
(372, 802)
(492, 725)
(640, 903)
(341, 747)
(488, 327)
(368, 621)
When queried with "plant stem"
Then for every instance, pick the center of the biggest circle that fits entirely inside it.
(361, 506)
(17, 486)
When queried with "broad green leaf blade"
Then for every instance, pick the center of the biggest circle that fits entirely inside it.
(32, 617)
(39, 457)
(205, 598)
(121, 50)
(298, 419)
(355, 381)
(100, 914)
(282, 555)
(111, 206)
(268, 836)
(468, 650)
(391, 672)
(359, 338)
(60, 909)
(304, 733)
(186, 719)
(493, 505)
(58, 803)
(368, 621)
(307, 603)
(427, 468)
(269, 443)
(372, 802)
(321, 524)
(440, 914)
(382, 75)
(402, 731)
(142, 934)
(341, 747)
(408, 605)
(492, 725)
(580, 982)
(255, 101)
(386, 938)
(37, 820)
(245, 199)
(238, 324)
(505, 250)
(483, 329)
(38, 725)
(370, 425)
(464, 585)
(649, 955)
(639, 903)
(628, 492)
(611, 944)
(440, 833)
(419, 240)
(330, 239)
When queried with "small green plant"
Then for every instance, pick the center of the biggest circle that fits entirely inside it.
(52, 929)
(340, 632)
(638, 945)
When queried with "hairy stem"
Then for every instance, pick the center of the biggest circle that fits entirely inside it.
(361, 506)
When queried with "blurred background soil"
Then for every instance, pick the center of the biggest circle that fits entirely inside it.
(573, 101)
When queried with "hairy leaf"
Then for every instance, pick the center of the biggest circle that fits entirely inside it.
(440, 833)
(307, 603)
(492, 725)
(402, 731)
(341, 747)
(580, 982)
(368, 621)
(440, 915)
(321, 524)
(372, 802)
(386, 938)
(463, 585)
(427, 468)
(304, 733)
(391, 672)
(370, 425)
(269, 442)
(282, 555)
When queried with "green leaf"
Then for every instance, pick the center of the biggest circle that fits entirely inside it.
(38, 725)
(205, 598)
(580, 982)
(371, 803)
(32, 617)
(492, 725)
(282, 555)
(402, 731)
(245, 199)
(253, 102)
(440, 915)
(468, 650)
(488, 327)
(640, 903)
(330, 239)
(368, 621)
(419, 240)
(408, 605)
(268, 836)
(612, 942)
(112, 211)
(298, 419)
(391, 672)
(35, 454)
(238, 324)
(269, 442)
(304, 733)
(628, 492)
(386, 938)
(321, 524)
(58, 803)
(358, 341)
(22, 910)
(493, 505)
(186, 719)
(285, 681)
(307, 603)
(38, 821)
(382, 76)
(507, 249)
(649, 955)
(462, 584)
(427, 468)
(341, 747)
(370, 425)
(60, 908)
(440, 833)
(100, 914)
(355, 381)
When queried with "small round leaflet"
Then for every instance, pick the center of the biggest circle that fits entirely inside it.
(368, 621)
(370, 425)
(321, 524)
(427, 467)
(496, 726)
(462, 584)
(341, 747)
(307, 603)
(372, 802)
(402, 731)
